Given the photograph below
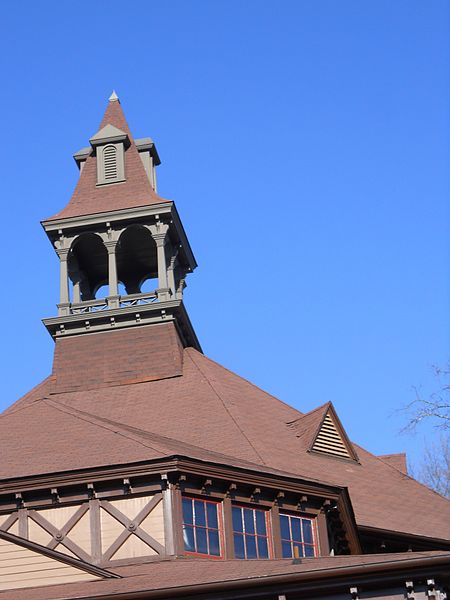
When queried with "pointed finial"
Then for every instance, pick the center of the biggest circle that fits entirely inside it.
(114, 97)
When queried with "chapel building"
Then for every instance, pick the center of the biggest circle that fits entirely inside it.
(140, 468)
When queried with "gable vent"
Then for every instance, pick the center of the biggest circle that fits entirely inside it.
(329, 440)
(110, 162)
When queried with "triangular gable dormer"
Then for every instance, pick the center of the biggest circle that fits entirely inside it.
(331, 438)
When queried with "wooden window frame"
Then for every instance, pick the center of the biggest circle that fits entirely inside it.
(306, 517)
(268, 536)
(220, 528)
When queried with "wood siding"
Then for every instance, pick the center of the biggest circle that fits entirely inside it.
(22, 568)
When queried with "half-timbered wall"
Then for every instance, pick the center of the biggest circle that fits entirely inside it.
(96, 531)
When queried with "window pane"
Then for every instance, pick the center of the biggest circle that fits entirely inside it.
(287, 550)
(307, 531)
(261, 522)
(214, 547)
(211, 510)
(248, 521)
(237, 519)
(284, 525)
(199, 508)
(188, 537)
(263, 549)
(239, 545)
(202, 546)
(187, 511)
(250, 546)
(300, 550)
(295, 526)
(309, 550)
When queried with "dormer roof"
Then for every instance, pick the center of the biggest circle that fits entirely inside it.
(106, 134)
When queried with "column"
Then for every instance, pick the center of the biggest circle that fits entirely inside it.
(76, 292)
(159, 234)
(171, 272)
(113, 283)
(64, 300)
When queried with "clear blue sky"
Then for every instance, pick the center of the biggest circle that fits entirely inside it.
(305, 144)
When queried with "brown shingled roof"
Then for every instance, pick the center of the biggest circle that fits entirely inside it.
(219, 417)
(185, 576)
(136, 191)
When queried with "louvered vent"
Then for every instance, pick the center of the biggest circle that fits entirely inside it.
(329, 440)
(110, 163)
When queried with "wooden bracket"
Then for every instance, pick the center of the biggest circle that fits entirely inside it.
(19, 500)
(279, 498)
(354, 593)
(255, 494)
(55, 495)
(127, 486)
(231, 490)
(181, 481)
(410, 590)
(91, 491)
(206, 484)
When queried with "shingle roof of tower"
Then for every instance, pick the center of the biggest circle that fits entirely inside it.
(206, 412)
(136, 191)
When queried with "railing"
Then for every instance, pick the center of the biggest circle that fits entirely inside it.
(91, 306)
(137, 299)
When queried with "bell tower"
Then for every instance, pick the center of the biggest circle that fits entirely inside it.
(124, 255)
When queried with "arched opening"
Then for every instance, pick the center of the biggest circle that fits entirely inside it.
(137, 260)
(88, 267)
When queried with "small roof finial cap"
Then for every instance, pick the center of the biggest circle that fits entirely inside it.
(114, 97)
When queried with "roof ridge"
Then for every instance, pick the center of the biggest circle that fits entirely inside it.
(84, 417)
(310, 413)
(208, 359)
(228, 410)
(22, 401)
(404, 475)
(145, 432)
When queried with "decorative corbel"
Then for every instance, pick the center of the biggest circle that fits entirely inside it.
(410, 590)
(254, 496)
(206, 484)
(231, 490)
(301, 503)
(279, 498)
(127, 486)
(180, 482)
(354, 594)
(164, 482)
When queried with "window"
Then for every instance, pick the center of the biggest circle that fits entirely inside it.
(250, 532)
(297, 532)
(201, 530)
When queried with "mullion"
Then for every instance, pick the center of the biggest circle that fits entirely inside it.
(196, 527)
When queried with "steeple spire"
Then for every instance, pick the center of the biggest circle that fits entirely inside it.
(137, 182)
(114, 97)
(117, 232)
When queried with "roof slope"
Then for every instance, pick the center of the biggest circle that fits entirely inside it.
(213, 414)
(88, 198)
(184, 575)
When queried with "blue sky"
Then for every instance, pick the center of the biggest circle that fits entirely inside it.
(305, 144)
